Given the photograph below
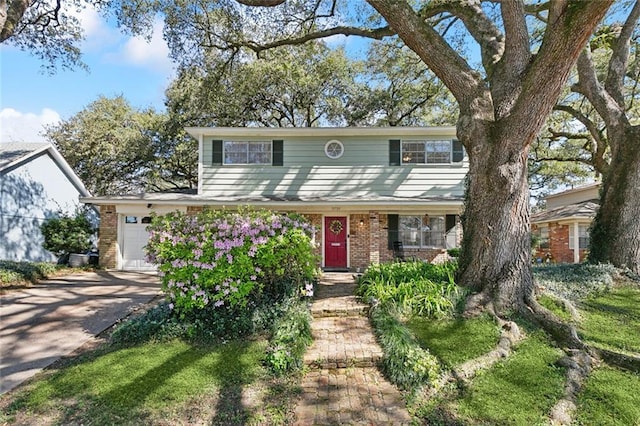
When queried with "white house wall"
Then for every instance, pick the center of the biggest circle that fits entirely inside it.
(30, 194)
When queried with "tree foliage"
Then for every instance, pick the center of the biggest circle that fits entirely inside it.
(49, 29)
(117, 149)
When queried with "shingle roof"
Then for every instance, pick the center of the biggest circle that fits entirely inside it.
(12, 152)
(583, 210)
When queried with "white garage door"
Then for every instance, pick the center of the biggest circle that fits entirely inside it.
(135, 237)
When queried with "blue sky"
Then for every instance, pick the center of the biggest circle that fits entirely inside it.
(30, 98)
(119, 65)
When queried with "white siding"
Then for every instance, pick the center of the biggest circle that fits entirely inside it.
(28, 195)
(363, 170)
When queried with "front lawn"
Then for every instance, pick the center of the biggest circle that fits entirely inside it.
(523, 387)
(157, 383)
(443, 337)
(612, 319)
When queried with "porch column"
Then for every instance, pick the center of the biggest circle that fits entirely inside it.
(576, 242)
(374, 238)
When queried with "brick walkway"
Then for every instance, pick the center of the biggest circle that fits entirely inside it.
(343, 385)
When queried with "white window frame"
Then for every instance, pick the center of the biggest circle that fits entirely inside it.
(544, 241)
(248, 144)
(426, 143)
(583, 236)
(421, 232)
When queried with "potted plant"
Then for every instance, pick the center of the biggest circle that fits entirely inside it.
(69, 237)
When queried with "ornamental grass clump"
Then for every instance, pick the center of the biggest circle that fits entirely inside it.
(417, 288)
(231, 259)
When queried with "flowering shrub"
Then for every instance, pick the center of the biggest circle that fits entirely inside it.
(221, 258)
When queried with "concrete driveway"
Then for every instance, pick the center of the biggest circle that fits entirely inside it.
(40, 324)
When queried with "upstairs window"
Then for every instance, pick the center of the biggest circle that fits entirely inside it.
(247, 152)
(426, 152)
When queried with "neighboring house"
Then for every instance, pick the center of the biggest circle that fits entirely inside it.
(563, 228)
(35, 184)
(363, 189)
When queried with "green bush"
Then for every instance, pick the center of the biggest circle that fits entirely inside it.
(290, 338)
(222, 258)
(418, 288)
(67, 233)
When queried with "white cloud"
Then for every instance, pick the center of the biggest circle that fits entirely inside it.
(154, 52)
(17, 126)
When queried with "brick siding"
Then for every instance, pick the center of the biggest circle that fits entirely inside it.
(107, 243)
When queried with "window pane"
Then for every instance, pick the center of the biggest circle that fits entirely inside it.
(438, 152)
(413, 152)
(238, 152)
(583, 242)
(235, 152)
(409, 231)
(433, 231)
(543, 236)
(259, 153)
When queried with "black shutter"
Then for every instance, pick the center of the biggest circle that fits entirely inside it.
(392, 222)
(216, 157)
(457, 151)
(278, 152)
(450, 221)
(394, 152)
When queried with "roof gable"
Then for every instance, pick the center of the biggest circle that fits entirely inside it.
(14, 155)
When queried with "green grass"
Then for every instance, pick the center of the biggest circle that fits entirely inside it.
(610, 397)
(612, 319)
(154, 382)
(554, 306)
(443, 337)
(518, 391)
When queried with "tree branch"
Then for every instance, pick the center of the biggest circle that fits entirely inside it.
(516, 37)
(10, 19)
(566, 34)
(481, 28)
(614, 84)
(376, 33)
(463, 82)
(589, 86)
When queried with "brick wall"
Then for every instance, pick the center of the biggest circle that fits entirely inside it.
(193, 210)
(359, 239)
(107, 243)
(558, 251)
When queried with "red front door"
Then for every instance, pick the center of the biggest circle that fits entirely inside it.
(335, 242)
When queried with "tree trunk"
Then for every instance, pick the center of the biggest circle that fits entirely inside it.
(496, 253)
(615, 236)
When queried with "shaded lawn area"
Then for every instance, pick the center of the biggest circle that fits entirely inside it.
(154, 383)
(612, 320)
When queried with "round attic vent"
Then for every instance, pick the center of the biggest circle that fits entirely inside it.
(334, 149)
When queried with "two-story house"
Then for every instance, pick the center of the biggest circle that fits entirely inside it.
(363, 189)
